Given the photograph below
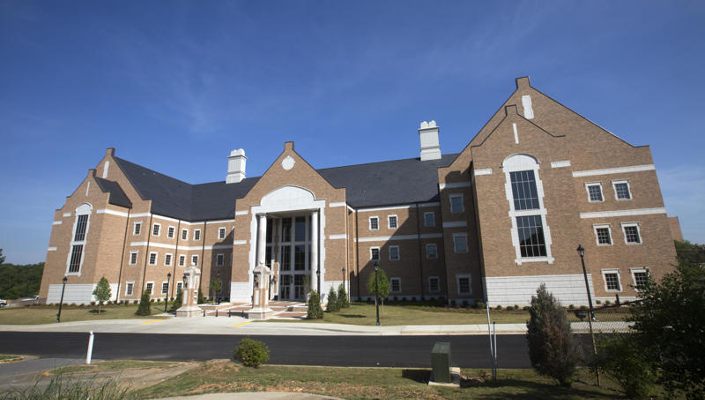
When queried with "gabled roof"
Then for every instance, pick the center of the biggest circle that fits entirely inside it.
(117, 196)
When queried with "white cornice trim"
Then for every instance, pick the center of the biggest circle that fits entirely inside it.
(337, 204)
(67, 214)
(454, 185)
(431, 204)
(244, 212)
(624, 213)
(56, 223)
(619, 170)
(111, 212)
(401, 207)
(51, 249)
(239, 242)
(455, 224)
(399, 237)
(341, 236)
(560, 164)
(483, 171)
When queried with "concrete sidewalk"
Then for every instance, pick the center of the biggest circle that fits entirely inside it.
(254, 395)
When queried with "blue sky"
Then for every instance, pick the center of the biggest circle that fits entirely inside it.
(175, 85)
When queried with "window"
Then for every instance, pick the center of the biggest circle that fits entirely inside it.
(621, 190)
(603, 235)
(129, 287)
(150, 287)
(165, 287)
(179, 285)
(167, 259)
(76, 256)
(594, 191)
(219, 260)
(170, 232)
(196, 234)
(631, 233)
(374, 223)
(460, 242)
(133, 257)
(431, 251)
(153, 258)
(434, 285)
(81, 225)
(456, 203)
(80, 233)
(138, 228)
(182, 260)
(184, 234)
(531, 240)
(374, 254)
(393, 253)
(395, 284)
(463, 284)
(155, 229)
(640, 276)
(194, 260)
(392, 219)
(429, 218)
(524, 191)
(611, 278)
(221, 233)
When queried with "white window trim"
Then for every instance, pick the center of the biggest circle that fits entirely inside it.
(159, 230)
(156, 258)
(137, 254)
(634, 271)
(638, 232)
(587, 190)
(146, 284)
(391, 285)
(378, 254)
(196, 234)
(127, 286)
(134, 228)
(459, 234)
(430, 245)
(194, 256)
(182, 263)
(522, 162)
(609, 230)
(389, 221)
(173, 232)
(462, 202)
(220, 259)
(83, 209)
(377, 218)
(224, 232)
(433, 216)
(167, 255)
(182, 234)
(619, 280)
(161, 291)
(629, 189)
(438, 279)
(457, 281)
(398, 253)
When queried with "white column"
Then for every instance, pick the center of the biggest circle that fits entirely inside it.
(262, 239)
(314, 250)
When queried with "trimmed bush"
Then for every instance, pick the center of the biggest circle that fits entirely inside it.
(144, 308)
(480, 304)
(314, 306)
(251, 353)
(343, 297)
(333, 305)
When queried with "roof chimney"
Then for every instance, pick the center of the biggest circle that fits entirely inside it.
(430, 148)
(236, 166)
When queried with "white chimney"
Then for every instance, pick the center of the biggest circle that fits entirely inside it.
(236, 166)
(430, 148)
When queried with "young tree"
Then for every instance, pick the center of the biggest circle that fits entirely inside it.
(102, 293)
(200, 299)
(178, 301)
(382, 284)
(144, 308)
(216, 286)
(314, 306)
(552, 350)
(333, 305)
(343, 297)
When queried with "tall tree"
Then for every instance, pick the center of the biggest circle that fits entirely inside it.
(2, 257)
(102, 293)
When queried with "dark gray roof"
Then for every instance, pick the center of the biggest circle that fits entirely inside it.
(117, 196)
(375, 184)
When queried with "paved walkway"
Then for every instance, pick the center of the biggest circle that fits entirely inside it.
(254, 395)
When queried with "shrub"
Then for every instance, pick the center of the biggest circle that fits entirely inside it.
(607, 302)
(343, 297)
(571, 307)
(200, 299)
(314, 306)
(144, 309)
(499, 307)
(480, 304)
(552, 350)
(623, 359)
(179, 299)
(598, 302)
(333, 305)
(251, 353)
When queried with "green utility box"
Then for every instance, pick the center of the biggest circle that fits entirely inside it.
(440, 361)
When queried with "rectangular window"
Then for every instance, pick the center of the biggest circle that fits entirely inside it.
(392, 221)
(197, 234)
(526, 195)
(531, 240)
(602, 234)
(179, 286)
(81, 225)
(621, 190)
(395, 284)
(594, 191)
(456, 203)
(429, 218)
(641, 277)
(431, 251)
(194, 260)
(221, 233)
(374, 254)
(153, 258)
(219, 259)
(170, 232)
(184, 234)
(129, 286)
(150, 287)
(286, 230)
(182, 260)
(138, 228)
(269, 234)
(374, 223)
(286, 258)
(612, 281)
(133, 257)
(76, 253)
(155, 229)
(393, 253)
(165, 287)
(300, 257)
(167, 259)
(434, 284)
(464, 284)
(631, 233)
(300, 229)
(460, 242)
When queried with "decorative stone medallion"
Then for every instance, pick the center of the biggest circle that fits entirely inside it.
(288, 163)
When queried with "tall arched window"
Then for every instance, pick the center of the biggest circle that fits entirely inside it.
(78, 239)
(530, 233)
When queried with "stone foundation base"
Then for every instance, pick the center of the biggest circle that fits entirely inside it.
(454, 376)
(259, 313)
(190, 311)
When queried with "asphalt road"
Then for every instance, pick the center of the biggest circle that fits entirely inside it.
(354, 351)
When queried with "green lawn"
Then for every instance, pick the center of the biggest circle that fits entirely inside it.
(33, 315)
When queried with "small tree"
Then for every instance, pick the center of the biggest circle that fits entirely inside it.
(382, 284)
(622, 358)
(314, 306)
(216, 286)
(251, 353)
(2, 257)
(102, 293)
(179, 300)
(333, 305)
(552, 350)
(343, 297)
(144, 308)
(200, 300)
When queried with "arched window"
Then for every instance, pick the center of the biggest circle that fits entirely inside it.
(530, 233)
(78, 239)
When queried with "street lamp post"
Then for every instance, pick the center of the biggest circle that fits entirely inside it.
(61, 303)
(168, 280)
(344, 287)
(581, 252)
(377, 291)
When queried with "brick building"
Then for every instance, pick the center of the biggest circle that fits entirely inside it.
(491, 222)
